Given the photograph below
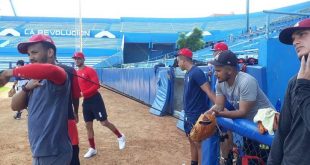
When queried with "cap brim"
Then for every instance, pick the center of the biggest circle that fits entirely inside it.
(23, 47)
(216, 63)
(285, 35)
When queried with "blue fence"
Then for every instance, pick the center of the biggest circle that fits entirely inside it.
(139, 83)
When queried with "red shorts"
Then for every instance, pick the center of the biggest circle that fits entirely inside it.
(73, 132)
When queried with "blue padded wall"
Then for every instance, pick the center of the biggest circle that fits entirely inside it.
(245, 128)
(210, 151)
(139, 83)
(152, 90)
(259, 73)
(281, 64)
(145, 84)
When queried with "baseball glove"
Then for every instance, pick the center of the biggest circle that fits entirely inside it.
(204, 128)
(11, 92)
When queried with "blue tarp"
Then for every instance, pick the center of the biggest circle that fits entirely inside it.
(161, 102)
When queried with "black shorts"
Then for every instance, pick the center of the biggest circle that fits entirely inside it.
(93, 108)
(189, 122)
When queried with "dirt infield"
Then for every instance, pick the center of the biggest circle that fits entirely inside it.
(150, 139)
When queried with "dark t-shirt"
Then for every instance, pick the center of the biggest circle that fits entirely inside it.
(48, 118)
(194, 99)
(291, 144)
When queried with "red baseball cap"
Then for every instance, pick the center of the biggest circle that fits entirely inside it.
(220, 46)
(23, 46)
(185, 52)
(78, 55)
(286, 34)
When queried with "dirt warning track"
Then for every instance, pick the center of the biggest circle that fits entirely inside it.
(150, 139)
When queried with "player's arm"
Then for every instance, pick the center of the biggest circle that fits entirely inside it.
(20, 99)
(35, 71)
(244, 108)
(5, 76)
(201, 80)
(42, 71)
(303, 100)
(218, 105)
(94, 78)
(206, 88)
(302, 91)
(248, 96)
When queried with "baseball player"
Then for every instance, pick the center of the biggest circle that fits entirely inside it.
(240, 89)
(196, 87)
(226, 138)
(45, 95)
(291, 144)
(17, 86)
(93, 105)
(219, 47)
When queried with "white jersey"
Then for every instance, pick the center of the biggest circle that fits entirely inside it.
(19, 84)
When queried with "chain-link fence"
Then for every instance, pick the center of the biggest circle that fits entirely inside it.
(239, 150)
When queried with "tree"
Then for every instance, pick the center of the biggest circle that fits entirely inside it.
(194, 41)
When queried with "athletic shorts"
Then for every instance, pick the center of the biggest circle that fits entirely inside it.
(73, 132)
(93, 108)
(189, 122)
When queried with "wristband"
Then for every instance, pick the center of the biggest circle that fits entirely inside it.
(25, 89)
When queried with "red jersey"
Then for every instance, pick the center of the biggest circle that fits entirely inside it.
(88, 88)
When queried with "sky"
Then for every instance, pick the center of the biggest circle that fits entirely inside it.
(137, 8)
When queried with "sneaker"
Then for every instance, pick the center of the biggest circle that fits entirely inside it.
(91, 152)
(121, 142)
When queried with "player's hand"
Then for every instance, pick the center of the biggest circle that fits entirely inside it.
(210, 111)
(213, 110)
(11, 92)
(304, 70)
(217, 108)
(5, 76)
(33, 84)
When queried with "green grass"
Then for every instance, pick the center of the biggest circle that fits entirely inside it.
(4, 89)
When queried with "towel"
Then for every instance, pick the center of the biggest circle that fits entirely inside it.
(266, 116)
